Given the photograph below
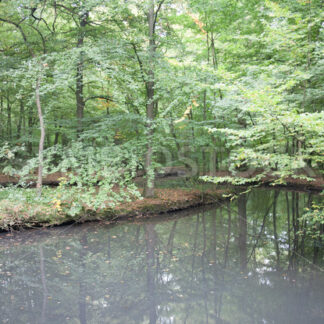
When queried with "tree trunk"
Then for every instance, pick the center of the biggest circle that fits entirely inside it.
(80, 103)
(56, 138)
(21, 118)
(41, 140)
(1, 122)
(30, 132)
(149, 184)
(9, 131)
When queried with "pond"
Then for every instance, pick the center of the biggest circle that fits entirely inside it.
(245, 261)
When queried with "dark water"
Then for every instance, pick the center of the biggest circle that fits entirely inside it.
(240, 262)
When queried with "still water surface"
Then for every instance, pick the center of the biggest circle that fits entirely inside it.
(238, 262)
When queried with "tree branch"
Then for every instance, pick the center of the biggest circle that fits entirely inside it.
(139, 62)
(22, 34)
(156, 13)
(42, 38)
(66, 8)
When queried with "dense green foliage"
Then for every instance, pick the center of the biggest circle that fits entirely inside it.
(125, 85)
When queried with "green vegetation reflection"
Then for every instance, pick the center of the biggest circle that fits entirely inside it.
(248, 261)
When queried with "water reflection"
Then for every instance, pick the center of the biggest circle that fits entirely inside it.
(248, 261)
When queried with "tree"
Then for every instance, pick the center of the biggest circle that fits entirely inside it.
(33, 55)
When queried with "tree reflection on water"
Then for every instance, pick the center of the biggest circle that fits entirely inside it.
(248, 261)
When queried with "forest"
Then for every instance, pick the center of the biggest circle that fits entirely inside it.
(161, 161)
(102, 99)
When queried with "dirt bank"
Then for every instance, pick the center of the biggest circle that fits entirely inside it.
(166, 200)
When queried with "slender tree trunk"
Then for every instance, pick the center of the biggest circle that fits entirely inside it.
(57, 134)
(48, 140)
(214, 158)
(41, 140)
(1, 121)
(215, 65)
(38, 104)
(56, 138)
(9, 130)
(30, 132)
(174, 135)
(205, 106)
(204, 117)
(80, 103)
(149, 184)
(21, 118)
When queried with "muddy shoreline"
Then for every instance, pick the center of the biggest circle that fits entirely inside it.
(166, 201)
